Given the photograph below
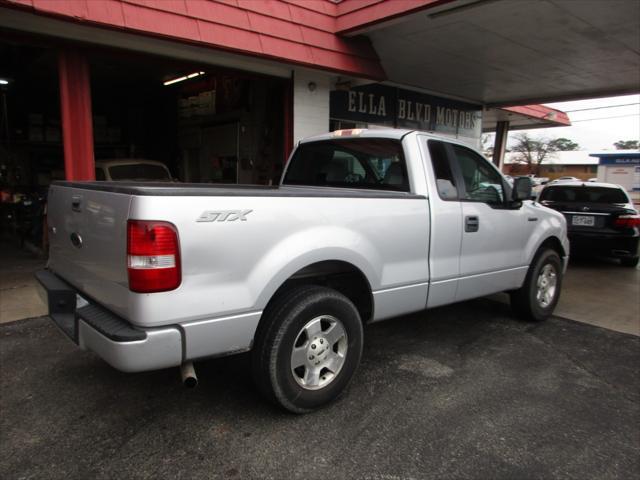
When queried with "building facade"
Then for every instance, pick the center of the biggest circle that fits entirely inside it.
(219, 91)
(578, 163)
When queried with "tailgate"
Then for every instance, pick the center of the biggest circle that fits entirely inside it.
(88, 242)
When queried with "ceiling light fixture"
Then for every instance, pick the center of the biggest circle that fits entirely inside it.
(183, 78)
(4, 81)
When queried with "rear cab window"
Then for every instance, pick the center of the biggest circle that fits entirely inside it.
(366, 163)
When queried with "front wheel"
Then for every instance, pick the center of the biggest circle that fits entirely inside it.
(308, 348)
(539, 295)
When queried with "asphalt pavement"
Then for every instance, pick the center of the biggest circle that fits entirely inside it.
(464, 391)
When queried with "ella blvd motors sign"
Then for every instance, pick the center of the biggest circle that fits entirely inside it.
(384, 105)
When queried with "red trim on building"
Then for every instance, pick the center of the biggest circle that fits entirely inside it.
(541, 112)
(75, 112)
(283, 30)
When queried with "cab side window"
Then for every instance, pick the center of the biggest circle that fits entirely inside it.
(445, 181)
(482, 183)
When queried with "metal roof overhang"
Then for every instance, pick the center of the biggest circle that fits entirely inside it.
(524, 117)
(503, 52)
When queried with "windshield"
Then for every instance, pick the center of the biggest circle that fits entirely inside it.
(370, 163)
(584, 195)
(139, 171)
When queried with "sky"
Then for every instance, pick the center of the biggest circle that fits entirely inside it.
(593, 129)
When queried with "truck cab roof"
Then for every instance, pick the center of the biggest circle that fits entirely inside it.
(391, 133)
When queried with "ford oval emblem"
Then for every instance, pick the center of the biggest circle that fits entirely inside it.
(76, 240)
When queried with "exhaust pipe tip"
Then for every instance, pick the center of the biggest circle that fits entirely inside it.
(188, 373)
(190, 382)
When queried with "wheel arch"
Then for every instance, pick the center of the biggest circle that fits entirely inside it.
(339, 275)
(553, 243)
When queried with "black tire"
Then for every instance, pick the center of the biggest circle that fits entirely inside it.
(524, 301)
(280, 327)
(631, 262)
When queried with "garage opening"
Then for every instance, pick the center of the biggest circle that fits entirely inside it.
(31, 152)
(153, 119)
(205, 124)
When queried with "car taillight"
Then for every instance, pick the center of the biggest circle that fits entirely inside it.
(153, 256)
(627, 221)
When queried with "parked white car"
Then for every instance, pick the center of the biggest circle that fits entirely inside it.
(538, 180)
(133, 170)
(565, 179)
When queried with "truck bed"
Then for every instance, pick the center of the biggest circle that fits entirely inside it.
(233, 267)
(225, 190)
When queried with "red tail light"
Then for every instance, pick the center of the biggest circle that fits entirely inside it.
(153, 256)
(627, 221)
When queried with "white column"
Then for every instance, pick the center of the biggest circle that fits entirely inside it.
(310, 103)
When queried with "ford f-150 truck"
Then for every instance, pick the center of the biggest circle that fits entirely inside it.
(365, 225)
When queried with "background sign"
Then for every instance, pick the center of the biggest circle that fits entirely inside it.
(619, 160)
(397, 107)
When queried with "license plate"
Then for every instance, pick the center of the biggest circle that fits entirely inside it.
(583, 221)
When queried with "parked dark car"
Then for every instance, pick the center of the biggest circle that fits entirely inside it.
(601, 219)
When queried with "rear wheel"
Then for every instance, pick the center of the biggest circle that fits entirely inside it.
(630, 262)
(308, 348)
(538, 296)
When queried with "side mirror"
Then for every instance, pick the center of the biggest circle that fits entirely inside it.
(521, 189)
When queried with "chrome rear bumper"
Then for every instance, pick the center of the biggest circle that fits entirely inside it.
(91, 327)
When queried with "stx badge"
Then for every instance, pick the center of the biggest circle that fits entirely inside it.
(224, 215)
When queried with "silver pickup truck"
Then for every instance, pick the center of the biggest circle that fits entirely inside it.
(366, 225)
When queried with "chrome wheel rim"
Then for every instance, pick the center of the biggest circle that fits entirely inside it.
(547, 284)
(319, 352)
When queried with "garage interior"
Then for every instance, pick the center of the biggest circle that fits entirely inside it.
(205, 124)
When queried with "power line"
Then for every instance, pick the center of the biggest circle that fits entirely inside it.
(598, 108)
(605, 118)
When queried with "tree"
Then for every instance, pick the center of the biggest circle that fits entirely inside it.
(532, 151)
(626, 145)
(564, 144)
(486, 142)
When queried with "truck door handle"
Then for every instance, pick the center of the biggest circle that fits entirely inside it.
(471, 224)
(75, 203)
